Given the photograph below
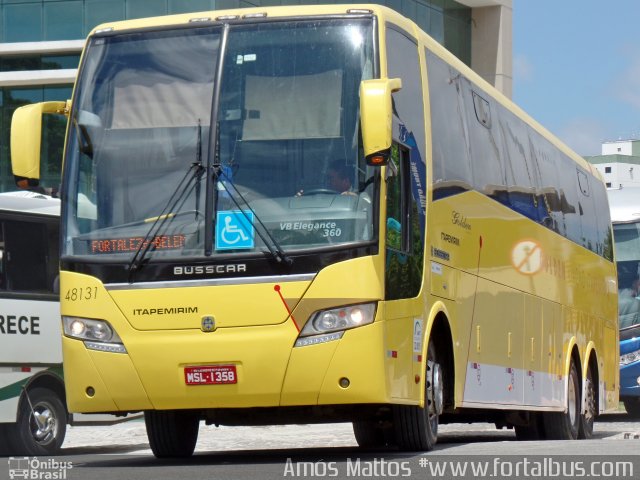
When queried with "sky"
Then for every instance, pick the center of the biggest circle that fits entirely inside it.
(576, 68)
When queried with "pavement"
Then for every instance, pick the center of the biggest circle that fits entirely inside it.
(131, 437)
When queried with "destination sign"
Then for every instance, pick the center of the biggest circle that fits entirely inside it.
(132, 244)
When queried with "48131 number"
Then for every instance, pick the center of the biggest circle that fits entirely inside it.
(81, 293)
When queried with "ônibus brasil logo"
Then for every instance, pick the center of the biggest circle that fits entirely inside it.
(38, 469)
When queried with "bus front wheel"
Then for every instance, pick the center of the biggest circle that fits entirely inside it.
(416, 428)
(172, 433)
(41, 425)
(566, 425)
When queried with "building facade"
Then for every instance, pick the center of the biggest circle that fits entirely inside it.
(619, 163)
(41, 41)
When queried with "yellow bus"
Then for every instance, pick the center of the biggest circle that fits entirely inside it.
(318, 214)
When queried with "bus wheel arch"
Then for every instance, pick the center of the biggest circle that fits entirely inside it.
(42, 418)
(440, 333)
(416, 426)
(566, 425)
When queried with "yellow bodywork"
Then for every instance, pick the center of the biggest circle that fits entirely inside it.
(504, 315)
(376, 113)
(270, 371)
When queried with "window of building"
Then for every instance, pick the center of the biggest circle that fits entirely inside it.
(608, 184)
(607, 169)
(18, 63)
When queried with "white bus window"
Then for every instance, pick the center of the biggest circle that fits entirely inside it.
(29, 256)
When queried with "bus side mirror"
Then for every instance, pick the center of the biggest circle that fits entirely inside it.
(376, 118)
(26, 135)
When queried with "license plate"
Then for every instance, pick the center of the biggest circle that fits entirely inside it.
(210, 375)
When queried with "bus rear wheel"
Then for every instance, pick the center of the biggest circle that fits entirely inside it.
(588, 416)
(416, 428)
(172, 433)
(566, 425)
(41, 425)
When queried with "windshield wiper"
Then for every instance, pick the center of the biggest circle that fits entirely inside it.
(174, 204)
(274, 247)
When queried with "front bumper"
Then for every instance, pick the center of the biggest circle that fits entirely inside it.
(270, 371)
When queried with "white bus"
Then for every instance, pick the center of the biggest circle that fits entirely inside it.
(33, 413)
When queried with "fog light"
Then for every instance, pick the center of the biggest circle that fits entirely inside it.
(344, 382)
(90, 391)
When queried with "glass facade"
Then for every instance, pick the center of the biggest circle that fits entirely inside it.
(447, 21)
(17, 63)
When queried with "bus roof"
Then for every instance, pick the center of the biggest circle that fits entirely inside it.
(624, 204)
(29, 202)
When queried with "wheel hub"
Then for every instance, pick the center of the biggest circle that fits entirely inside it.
(435, 393)
(43, 424)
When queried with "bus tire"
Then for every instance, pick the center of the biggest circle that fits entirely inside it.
(369, 434)
(416, 428)
(41, 425)
(632, 406)
(588, 416)
(533, 431)
(565, 425)
(172, 433)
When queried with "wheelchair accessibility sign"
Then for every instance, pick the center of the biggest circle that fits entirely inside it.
(234, 230)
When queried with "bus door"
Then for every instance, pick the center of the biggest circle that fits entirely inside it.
(405, 217)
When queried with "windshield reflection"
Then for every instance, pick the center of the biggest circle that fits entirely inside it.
(287, 126)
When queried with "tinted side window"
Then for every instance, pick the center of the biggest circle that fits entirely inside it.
(487, 162)
(479, 143)
(450, 133)
(29, 260)
(407, 188)
(603, 215)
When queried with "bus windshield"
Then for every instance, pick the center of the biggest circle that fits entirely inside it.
(283, 154)
(627, 241)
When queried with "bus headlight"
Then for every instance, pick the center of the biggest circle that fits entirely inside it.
(630, 357)
(97, 334)
(338, 319)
